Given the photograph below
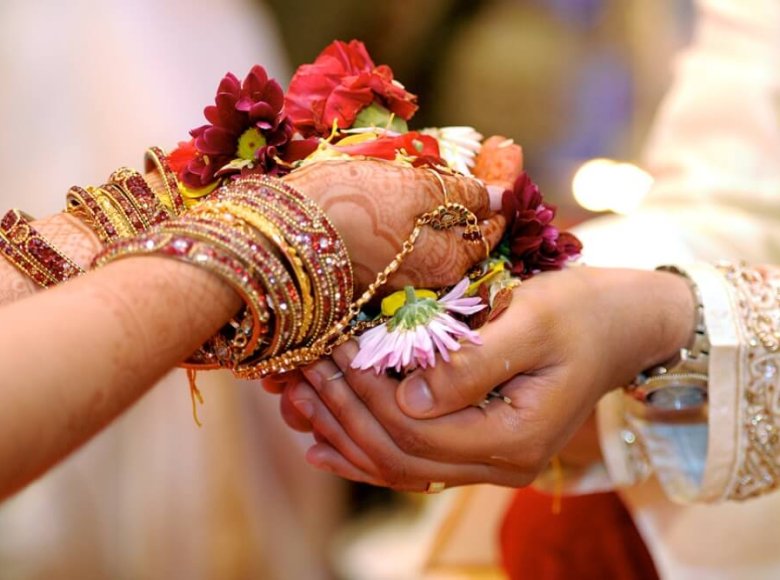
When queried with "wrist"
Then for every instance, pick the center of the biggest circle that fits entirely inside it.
(647, 316)
(71, 236)
(676, 312)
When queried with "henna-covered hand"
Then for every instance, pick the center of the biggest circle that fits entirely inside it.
(374, 205)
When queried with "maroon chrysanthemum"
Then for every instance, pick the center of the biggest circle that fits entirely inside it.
(534, 244)
(246, 121)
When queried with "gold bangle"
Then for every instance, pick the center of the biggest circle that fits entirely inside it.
(144, 201)
(81, 204)
(171, 197)
(310, 232)
(223, 264)
(282, 291)
(270, 231)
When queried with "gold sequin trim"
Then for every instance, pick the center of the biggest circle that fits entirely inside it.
(757, 294)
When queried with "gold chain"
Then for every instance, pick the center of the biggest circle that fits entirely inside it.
(335, 336)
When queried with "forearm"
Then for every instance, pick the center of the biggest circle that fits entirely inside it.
(82, 353)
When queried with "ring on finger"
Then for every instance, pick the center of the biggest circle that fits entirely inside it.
(435, 487)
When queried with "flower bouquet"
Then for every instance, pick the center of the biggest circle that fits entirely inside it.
(344, 106)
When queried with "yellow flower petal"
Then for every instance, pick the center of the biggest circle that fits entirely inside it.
(188, 193)
(494, 270)
(392, 303)
(357, 138)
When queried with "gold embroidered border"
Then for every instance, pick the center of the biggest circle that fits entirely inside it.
(758, 451)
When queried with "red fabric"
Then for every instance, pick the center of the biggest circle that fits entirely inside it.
(593, 537)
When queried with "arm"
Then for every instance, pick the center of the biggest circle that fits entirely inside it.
(66, 233)
(633, 320)
(534, 353)
(81, 353)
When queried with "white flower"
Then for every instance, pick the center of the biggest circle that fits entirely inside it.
(417, 330)
(458, 146)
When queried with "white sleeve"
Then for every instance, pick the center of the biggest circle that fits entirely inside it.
(714, 152)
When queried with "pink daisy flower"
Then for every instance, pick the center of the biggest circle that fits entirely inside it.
(417, 331)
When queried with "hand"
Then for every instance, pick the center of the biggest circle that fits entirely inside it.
(374, 204)
(567, 338)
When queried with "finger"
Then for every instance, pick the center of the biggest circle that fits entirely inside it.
(396, 466)
(275, 384)
(306, 400)
(326, 458)
(472, 435)
(294, 418)
(512, 344)
(492, 231)
(467, 191)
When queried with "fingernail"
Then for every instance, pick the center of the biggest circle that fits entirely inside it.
(495, 194)
(417, 395)
(304, 407)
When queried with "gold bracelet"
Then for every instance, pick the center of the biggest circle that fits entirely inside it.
(279, 290)
(309, 231)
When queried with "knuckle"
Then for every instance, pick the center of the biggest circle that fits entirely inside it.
(393, 470)
(461, 384)
(412, 442)
(535, 458)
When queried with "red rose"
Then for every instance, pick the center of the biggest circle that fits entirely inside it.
(341, 82)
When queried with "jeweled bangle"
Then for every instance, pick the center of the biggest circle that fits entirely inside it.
(256, 220)
(32, 254)
(216, 260)
(281, 293)
(82, 204)
(140, 195)
(310, 232)
(155, 158)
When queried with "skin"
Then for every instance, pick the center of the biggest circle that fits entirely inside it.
(112, 333)
(567, 338)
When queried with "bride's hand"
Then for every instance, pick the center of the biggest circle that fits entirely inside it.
(374, 204)
(566, 339)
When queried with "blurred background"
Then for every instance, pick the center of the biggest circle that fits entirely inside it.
(88, 85)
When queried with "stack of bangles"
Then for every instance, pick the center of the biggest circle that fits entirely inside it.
(125, 206)
(275, 247)
(281, 254)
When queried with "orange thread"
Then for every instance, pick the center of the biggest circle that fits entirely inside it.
(195, 395)
(557, 469)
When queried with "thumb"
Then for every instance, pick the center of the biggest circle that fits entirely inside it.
(510, 347)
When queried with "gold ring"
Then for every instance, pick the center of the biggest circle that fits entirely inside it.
(435, 487)
(443, 185)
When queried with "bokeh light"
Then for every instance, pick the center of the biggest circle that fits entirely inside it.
(609, 185)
